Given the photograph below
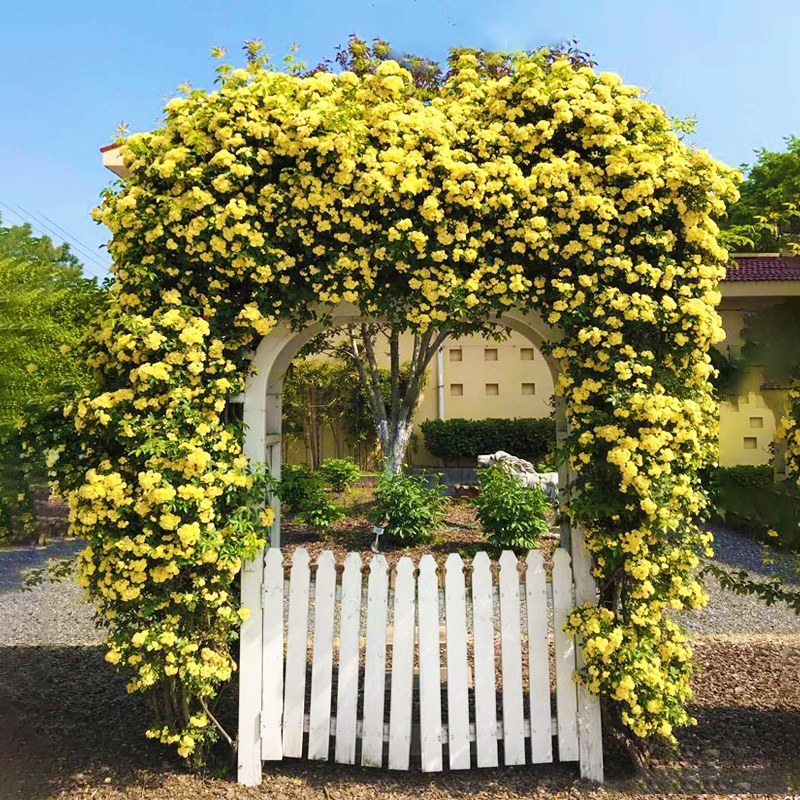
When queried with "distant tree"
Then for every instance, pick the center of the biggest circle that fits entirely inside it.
(766, 217)
(45, 307)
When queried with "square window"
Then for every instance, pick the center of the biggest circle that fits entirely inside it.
(490, 354)
(756, 422)
(526, 354)
(456, 354)
(750, 443)
(492, 388)
(456, 389)
(528, 388)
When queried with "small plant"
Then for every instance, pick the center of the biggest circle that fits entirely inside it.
(512, 515)
(339, 473)
(303, 492)
(411, 510)
(296, 486)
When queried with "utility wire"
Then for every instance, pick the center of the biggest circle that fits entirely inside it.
(76, 245)
(38, 227)
(90, 253)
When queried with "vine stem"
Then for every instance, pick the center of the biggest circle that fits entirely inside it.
(216, 722)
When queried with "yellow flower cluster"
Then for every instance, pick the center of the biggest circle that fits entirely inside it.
(542, 186)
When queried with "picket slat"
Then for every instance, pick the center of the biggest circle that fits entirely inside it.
(416, 633)
(296, 655)
(349, 641)
(272, 664)
(430, 683)
(400, 707)
(566, 695)
(485, 683)
(511, 661)
(322, 658)
(457, 666)
(538, 660)
(375, 663)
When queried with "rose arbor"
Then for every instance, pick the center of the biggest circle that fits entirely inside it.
(540, 195)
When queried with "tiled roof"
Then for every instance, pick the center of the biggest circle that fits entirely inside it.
(764, 268)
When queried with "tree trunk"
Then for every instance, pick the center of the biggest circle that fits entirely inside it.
(393, 415)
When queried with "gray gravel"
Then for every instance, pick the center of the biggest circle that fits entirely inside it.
(47, 615)
(58, 614)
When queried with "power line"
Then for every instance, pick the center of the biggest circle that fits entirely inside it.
(79, 246)
(74, 238)
(38, 226)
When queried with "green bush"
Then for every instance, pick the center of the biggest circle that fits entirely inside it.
(512, 515)
(745, 475)
(297, 486)
(303, 492)
(453, 439)
(339, 473)
(411, 510)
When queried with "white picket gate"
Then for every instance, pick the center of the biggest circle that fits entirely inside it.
(457, 661)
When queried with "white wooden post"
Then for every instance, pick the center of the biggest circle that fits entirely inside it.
(251, 650)
(590, 736)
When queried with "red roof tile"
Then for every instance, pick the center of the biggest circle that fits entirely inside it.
(764, 268)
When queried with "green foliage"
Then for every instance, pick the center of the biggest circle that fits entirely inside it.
(512, 515)
(320, 393)
(770, 341)
(410, 509)
(771, 591)
(746, 475)
(303, 492)
(297, 486)
(763, 219)
(45, 307)
(339, 473)
(452, 439)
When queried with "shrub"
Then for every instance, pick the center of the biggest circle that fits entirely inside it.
(303, 493)
(512, 515)
(339, 473)
(411, 510)
(297, 486)
(746, 475)
(452, 439)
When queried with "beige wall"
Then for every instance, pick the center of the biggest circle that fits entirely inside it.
(482, 378)
(510, 378)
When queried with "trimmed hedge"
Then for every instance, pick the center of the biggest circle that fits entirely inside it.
(453, 439)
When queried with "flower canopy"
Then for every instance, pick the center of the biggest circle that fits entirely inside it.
(540, 186)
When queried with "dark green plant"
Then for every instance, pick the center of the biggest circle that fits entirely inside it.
(410, 509)
(297, 486)
(530, 438)
(512, 515)
(339, 473)
(303, 493)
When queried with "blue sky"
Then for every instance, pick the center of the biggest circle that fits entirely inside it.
(73, 71)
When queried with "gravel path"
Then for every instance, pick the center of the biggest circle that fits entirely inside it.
(57, 613)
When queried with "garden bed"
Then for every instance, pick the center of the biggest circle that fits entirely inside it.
(461, 533)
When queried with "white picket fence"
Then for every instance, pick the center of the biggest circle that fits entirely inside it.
(444, 669)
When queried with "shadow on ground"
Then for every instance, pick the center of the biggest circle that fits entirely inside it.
(68, 729)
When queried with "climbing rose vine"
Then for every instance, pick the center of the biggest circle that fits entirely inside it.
(540, 185)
